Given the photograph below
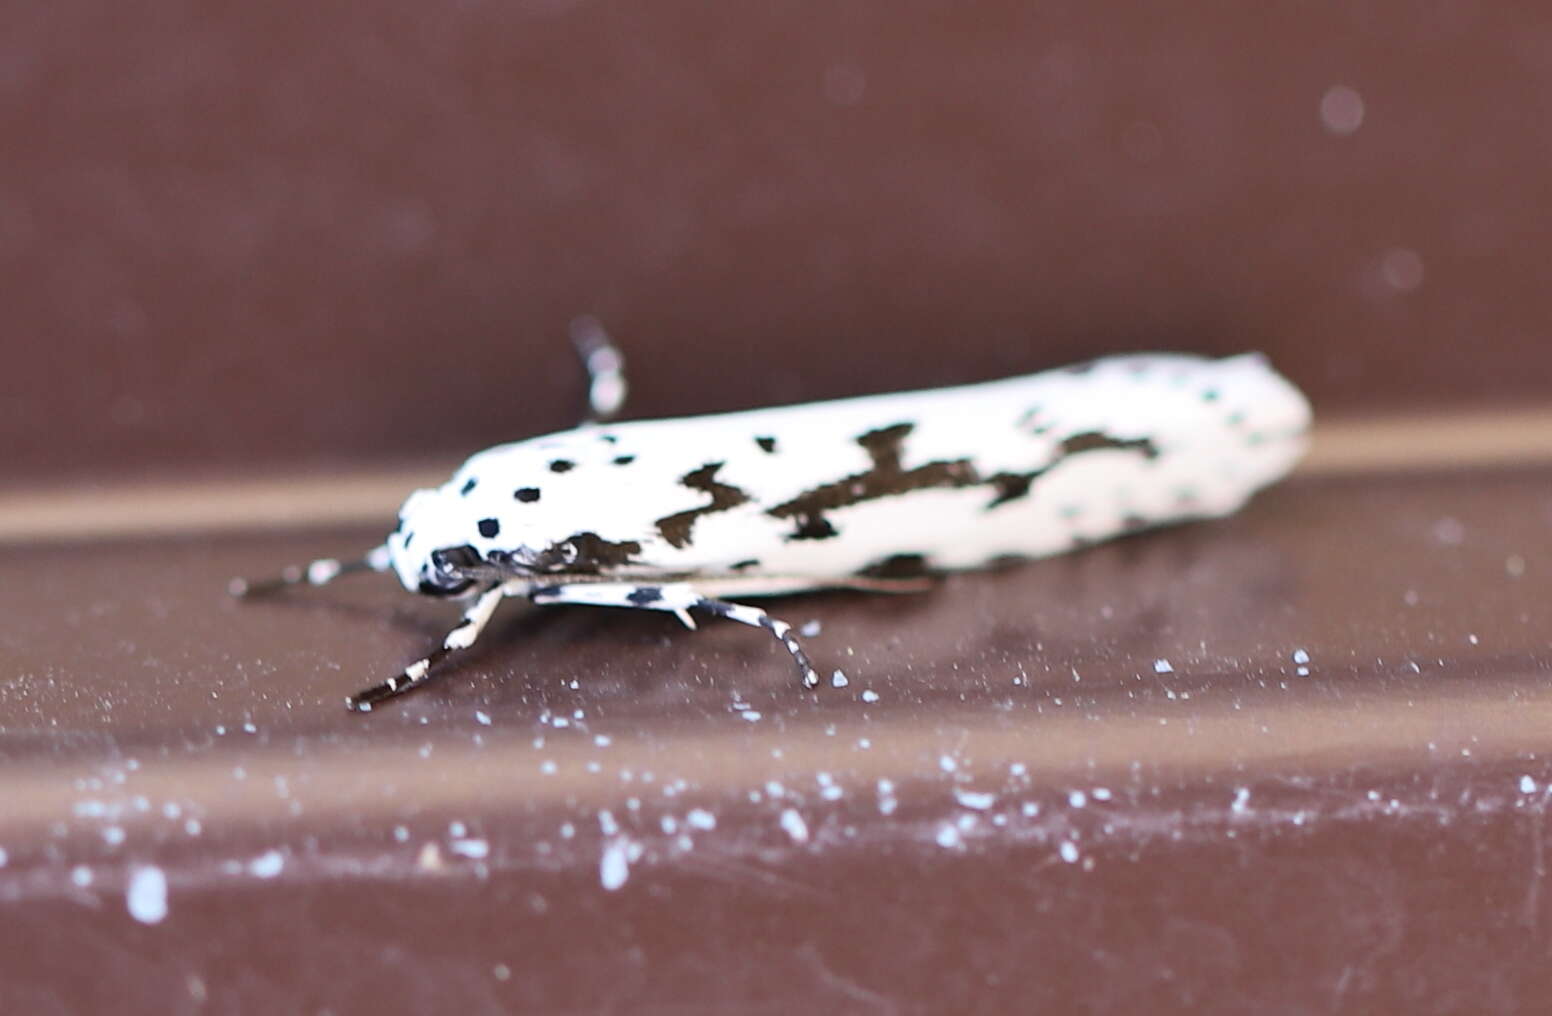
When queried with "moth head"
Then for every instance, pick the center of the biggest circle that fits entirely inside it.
(432, 549)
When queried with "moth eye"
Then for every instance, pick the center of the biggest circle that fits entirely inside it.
(490, 528)
(454, 558)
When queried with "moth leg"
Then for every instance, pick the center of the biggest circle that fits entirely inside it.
(605, 367)
(679, 598)
(318, 573)
(462, 636)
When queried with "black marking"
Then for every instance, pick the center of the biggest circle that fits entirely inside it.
(562, 466)
(641, 596)
(676, 528)
(490, 528)
(898, 566)
(624, 460)
(1012, 486)
(885, 479)
(589, 553)
(407, 538)
(527, 495)
(1210, 395)
(767, 444)
(1093, 441)
(1081, 368)
(468, 485)
(608, 438)
(752, 562)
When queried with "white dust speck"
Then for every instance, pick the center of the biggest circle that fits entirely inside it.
(1300, 656)
(1069, 851)
(113, 835)
(547, 767)
(949, 837)
(249, 728)
(845, 84)
(267, 864)
(81, 875)
(1077, 798)
(794, 825)
(1030, 808)
(5, 857)
(1527, 785)
(1449, 531)
(869, 695)
(1100, 793)
(614, 865)
(482, 718)
(1402, 269)
(1341, 109)
(1241, 803)
(401, 834)
(146, 895)
(602, 740)
(973, 799)
(810, 629)
(1163, 667)
(700, 818)
(606, 823)
(501, 972)
(838, 679)
(1302, 671)
(456, 829)
(429, 858)
(752, 715)
(947, 763)
(474, 849)
(192, 827)
(1017, 769)
(1514, 565)
(1473, 640)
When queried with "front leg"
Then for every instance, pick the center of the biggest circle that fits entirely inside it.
(418, 673)
(678, 598)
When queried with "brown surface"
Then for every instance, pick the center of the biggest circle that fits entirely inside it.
(286, 233)
(1356, 839)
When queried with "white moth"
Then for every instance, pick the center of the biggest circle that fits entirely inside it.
(867, 493)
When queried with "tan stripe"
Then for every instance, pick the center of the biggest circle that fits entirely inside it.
(1434, 441)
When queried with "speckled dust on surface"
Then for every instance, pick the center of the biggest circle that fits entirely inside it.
(1080, 723)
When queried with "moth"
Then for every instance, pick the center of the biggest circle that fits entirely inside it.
(876, 493)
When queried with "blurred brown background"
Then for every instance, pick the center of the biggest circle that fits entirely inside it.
(269, 235)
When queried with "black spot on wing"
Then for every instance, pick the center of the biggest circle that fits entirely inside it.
(751, 562)
(468, 485)
(527, 495)
(886, 479)
(642, 596)
(490, 528)
(579, 554)
(898, 566)
(624, 460)
(607, 438)
(1011, 486)
(562, 466)
(676, 528)
(767, 444)
(1093, 441)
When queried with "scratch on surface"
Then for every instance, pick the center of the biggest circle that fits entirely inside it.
(1530, 914)
(814, 957)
